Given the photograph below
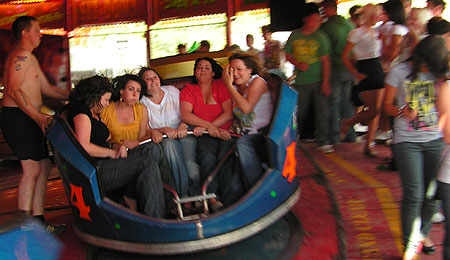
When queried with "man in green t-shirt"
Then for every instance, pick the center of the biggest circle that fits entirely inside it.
(339, 105)
(307, 49)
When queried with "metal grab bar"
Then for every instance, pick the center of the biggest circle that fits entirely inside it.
(204, 197)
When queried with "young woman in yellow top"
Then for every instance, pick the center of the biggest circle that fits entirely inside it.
(127, 120)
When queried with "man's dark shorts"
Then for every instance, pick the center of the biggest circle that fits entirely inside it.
(23, 135)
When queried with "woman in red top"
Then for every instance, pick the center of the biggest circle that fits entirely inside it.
(206, 105)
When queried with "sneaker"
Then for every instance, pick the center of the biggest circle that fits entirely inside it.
(360, 128)
(326, 148)
(55, 229)
(438, 217)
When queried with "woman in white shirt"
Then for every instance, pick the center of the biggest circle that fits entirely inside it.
(163, 105)
(365, 45)
(393, 33)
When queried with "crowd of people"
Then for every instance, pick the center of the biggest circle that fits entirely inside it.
(386, 68)
(391, 62)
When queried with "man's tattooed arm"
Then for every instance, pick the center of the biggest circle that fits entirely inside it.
(23, 97)
(18, 61)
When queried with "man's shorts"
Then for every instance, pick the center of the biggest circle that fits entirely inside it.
(23, 135)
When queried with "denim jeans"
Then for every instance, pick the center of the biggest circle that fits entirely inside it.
(339, 104)
(174, 154)
(444, 194)
(227, 184)
(189, 145)
(164, 169)
(250, 149)
(137, 169)
(311, 94)
(418, 164)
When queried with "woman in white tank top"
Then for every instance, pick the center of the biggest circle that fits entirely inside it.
(253, 110)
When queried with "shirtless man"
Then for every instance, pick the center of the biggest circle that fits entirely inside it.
(22, 123)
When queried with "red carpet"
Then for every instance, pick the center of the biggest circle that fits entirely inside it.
(368, 201)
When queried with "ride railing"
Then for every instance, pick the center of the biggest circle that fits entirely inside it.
(204, 197)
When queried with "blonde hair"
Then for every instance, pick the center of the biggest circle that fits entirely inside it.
(369, 10)
(423, 16)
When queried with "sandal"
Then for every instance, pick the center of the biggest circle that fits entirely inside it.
(428, 250)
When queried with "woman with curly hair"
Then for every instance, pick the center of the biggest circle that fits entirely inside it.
(118, 166)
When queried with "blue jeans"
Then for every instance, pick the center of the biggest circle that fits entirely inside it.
(250, 149)
(174, 155)
(140, 171)
(340, 105)
(189, 145)
(311, 94)
(227, 184)
(418, 164)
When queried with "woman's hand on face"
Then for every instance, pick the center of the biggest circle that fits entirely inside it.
(156, 136)
(198, 131)
(171, 133)
(227, 75)
(224, 134)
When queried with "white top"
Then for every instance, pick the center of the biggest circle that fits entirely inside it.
(367, 44)
(261, 115)
(384, 28)
(405, 44)
(167, 113)
(395, 29)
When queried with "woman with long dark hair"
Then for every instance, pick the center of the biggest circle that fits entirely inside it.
(393, 31)
(253, 110)
(118, 166)
(411, 99)
(163, 106)
(207, 106)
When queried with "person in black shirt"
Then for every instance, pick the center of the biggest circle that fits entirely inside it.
(118, 167)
